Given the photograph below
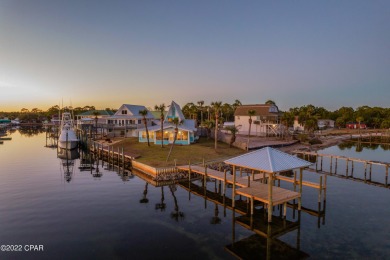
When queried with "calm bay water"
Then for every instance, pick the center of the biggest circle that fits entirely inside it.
(121, 218)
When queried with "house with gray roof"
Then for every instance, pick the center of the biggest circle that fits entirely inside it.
(127, 121)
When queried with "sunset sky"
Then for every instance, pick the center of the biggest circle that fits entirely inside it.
(105, 53)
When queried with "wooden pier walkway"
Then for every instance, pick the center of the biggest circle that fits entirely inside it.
(349, 170)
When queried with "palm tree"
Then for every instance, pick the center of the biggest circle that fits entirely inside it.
(209, 124)
(161, 108)
(200, 106)
(217, 107)
(233, 130)
(251, 113)
(176, 122)
(236, 104)
(144, 114)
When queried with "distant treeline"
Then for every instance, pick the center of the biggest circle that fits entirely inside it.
(38, 115)
(373, 117)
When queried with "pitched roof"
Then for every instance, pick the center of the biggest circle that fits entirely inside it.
(101, 113)
(134, 112)
(260, 109)
(174, 111)
(268, 160)
(157, 114)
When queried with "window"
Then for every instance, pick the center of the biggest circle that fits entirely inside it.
(124, 112)
(139, 121)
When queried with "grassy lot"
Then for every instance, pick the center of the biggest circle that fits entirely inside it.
(156, 156)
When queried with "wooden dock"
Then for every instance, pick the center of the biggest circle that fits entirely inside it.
(256, 190)
(350, 164)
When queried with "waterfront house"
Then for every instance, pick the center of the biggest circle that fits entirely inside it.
(89, 117)
(127, 121)
(265, 122)
(186, 129)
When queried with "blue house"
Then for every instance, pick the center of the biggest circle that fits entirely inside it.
(186, 129)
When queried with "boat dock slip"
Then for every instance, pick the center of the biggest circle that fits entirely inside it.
(260, 192)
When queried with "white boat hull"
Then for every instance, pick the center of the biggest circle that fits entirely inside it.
(68, 145)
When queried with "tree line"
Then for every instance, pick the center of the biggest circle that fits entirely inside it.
(308, 115)
(39, 115)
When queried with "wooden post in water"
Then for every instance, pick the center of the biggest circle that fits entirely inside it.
(295, 180)
(253, 175)
(335, 167)
(387, 175)
(331, 162)
(300, 188)
(205, 176)
(234, 187)
(365, 171)
(346, 172)
(224, 183)
(118, 158)
(322, 157)
(270, 204)
(189, 172)
(320, 190)
(317, 162)
(240, 171)
(370, 170)
(324, 187)
(352, 170)
(123, 159)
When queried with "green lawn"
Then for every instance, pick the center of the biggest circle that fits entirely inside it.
(156, 156)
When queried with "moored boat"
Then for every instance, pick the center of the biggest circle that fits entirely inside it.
(67, 139)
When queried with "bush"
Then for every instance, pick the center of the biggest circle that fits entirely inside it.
(315, 141)
(302, 137)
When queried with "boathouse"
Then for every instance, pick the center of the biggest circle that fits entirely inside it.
(268, 162)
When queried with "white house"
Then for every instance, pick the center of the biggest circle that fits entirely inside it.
(265, 122)
(186, 129)
(127, 120)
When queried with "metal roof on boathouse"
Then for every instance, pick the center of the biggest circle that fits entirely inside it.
(268, 160)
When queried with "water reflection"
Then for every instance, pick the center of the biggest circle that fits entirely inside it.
(145, 193)
(30, 131)
(161, 206)
(68, 158)
(176, 214)
(361, 144)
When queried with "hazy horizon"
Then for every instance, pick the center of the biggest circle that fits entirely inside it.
(103, 53)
